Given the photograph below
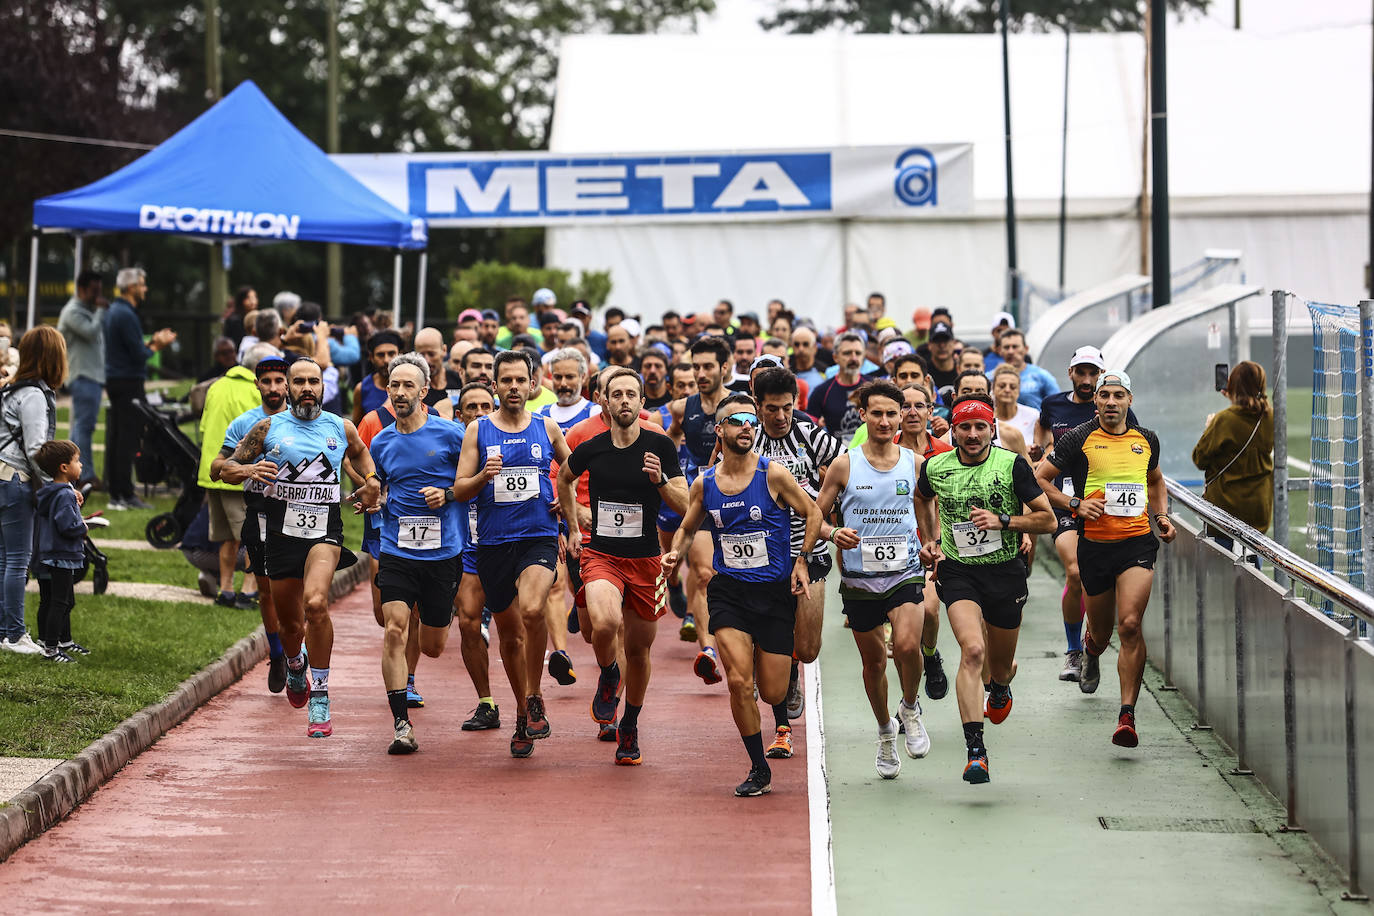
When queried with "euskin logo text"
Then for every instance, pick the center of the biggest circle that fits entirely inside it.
(218, 222)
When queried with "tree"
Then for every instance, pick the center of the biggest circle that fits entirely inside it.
(914, 16)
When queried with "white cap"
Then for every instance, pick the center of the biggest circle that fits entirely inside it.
(1115, 377)
(1003, 318)
(1087, 356)
(543, 296)
(632, 327)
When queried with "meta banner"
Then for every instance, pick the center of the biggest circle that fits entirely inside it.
(495, 189)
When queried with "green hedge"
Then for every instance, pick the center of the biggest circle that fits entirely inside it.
(488, 284)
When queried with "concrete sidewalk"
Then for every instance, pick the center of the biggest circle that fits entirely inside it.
(1179, 835)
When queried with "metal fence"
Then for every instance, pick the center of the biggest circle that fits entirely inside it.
(1278, 680)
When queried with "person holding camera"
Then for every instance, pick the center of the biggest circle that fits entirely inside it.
(1236, 451)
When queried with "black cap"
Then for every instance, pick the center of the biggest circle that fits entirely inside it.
(941, 311)
(490, 315)
(384, 336)
(269, 364)
(941, 330)
(547, 318)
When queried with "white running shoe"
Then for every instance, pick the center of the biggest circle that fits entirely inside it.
(917, 741)
(1073, 665)
(22, 645)
(887, 761)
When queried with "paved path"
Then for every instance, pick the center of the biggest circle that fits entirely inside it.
(149, 591)
(236, 807)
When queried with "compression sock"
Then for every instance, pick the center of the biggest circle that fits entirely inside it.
(998, 691)
(973, 735)
(319, 679)
(611, 671)
(1073, 632)
(298, 662)
(274, 645)
(630, 717)
(928, 651)
(754, 745)
(488, 701)
(780, 715)
(396, 699)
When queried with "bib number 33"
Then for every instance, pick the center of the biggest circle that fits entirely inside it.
(305, 520)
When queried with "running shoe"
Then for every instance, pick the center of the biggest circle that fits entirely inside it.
(1125, 734)
(887, 761)
(298, 684)
(73, 648)
(781, 748)
(627, 748)
(1073, 665)
(608, 731)
(1091, 675)
(574, 624)
(688, 631)
(224, 599)
(520, 743)
(997, 708)
(413, 698)
(705, 667)
(536, 722)
(317, 724)
(976, 770)
(758, 782)
(561, 668)
(917, 740)
(276, 673)
(605, 701)
(937, 682)
(246, 601)
(485, 716)
(21, 645)
(796, 700)
(404, 740)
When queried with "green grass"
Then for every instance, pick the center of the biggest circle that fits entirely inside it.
(166, 567)
(140, 652)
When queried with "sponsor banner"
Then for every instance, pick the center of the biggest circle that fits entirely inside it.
(171, 218)
(496, 189)
(319, 493)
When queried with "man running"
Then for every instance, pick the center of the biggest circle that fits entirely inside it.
(829, 401)
(271, 381)
(1114, 463)
(694, 422)
(881, 579)
(979, 490)
(370, 393)
(422, 534)
(753, 594)
(429, 344)
(299, 452)
(805, 450)
(505, 465)
(1003, 434)
(630, 472)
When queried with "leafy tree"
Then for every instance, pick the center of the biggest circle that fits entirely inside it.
(488, 284)
(910, 16)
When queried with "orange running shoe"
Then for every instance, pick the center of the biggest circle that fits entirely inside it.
(1125, 734)
(782, 743)
(705, 667)
(995, 713)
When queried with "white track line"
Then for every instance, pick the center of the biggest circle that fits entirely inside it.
(1300, 465)
(818, 798)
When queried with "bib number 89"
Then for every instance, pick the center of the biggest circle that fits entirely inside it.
(516, 483)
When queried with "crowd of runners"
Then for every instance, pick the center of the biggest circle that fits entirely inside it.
(587, 483)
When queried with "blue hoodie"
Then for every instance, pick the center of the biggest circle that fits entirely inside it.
(61, 529)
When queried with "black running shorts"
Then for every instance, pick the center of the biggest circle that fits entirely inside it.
(818, 566)
(1064, 521)
(999, 589)
(767, 611)
(868, 613)
(500, 565)
(1100, 562)
(427, 585)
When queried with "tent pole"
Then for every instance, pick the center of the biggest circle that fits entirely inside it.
(396, 293)
(420, 292)
(80, 246)
(33, 277)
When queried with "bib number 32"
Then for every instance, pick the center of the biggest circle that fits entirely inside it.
(972, 541)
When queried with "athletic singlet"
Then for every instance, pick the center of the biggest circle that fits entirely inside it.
(878, 505)
(803, 451)
(407, 462)
(1114, 468)
(960, 488)
(574, 415)
(751, 531)
(515, 505)
(304, 500)
(241, 426)
(698, 431)
(371, 396)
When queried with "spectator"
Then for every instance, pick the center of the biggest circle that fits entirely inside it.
(203, 554)
(245, 301)
(126, 366)
(28, 418)
(286, 303)
(225, 358)
(61, 531)
(81, 324)
(9, 355)
(266, 329)
(344, 349)
(1236, 451)
(1036, 383)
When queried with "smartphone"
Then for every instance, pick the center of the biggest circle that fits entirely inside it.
(1223, 374)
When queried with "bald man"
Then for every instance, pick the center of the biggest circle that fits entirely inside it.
(429, 344)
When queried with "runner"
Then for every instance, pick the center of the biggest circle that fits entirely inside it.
(1060, 413)
(979, 572)
(630, 472)
(694, 421)
(301, 451)
(684, 386)
(1003, 434)
(422, 534)
(653, 368)
(881, 578)
(477, 366)
(830, 400)
(271, 381)
(753, 593)
(516, 526)
(1006, 388)
(805, 450)
(1114, 463)
(429, 345)
(370, 393)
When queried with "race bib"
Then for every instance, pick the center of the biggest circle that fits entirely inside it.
(472, 522)
(744, 551)
(1067, 489)
(262, 528)
(619, 520)
(884, 554)
(971, 541)
(515, 485)
(1125, 500)
(305, 520)
(418, 532)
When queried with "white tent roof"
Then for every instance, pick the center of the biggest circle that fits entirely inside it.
(1250, 116)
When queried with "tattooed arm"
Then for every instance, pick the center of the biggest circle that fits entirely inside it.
(244, 463)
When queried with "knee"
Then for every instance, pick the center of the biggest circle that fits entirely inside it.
(395, 633)
(906, 645)
(973, 656)
(1071, 576)
(317, 607)
(807, 651)
(1129, 629)
(738, 683)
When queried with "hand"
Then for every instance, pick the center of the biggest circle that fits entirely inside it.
(434, 497)
(670, 562)
(1025, 547)
(370, 494)
(1092, 508)
(985, 520)
(938, 426)
(574, 541)
(846, 538)
(1036, 452)
(584, 516)
(556, 508)
(1167, 531)
(801, 578)
(80, 500)
(263, 471)
(653, 468)
(931, 555)
(1208, 421)
(492, 467)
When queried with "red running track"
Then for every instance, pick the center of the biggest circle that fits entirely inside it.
(237, 808)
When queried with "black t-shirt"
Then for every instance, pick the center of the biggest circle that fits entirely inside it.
(651, 403)
(944, 378)
(620, 491)
(830, 402)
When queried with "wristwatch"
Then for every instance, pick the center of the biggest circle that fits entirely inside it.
(448, 494)
(661, 481)
(1005, 519)
(1074, 503)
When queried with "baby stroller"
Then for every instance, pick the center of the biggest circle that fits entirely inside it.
(166, 455)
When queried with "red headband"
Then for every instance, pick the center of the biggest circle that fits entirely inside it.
(972, 410)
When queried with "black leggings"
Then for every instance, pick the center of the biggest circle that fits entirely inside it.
(56, 598)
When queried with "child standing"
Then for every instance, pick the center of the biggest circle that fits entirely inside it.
(61, 553)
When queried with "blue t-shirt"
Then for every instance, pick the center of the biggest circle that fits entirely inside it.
(406, 462)
(239, 427)
(1036, 385)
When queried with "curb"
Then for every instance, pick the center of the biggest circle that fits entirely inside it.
(56, 795)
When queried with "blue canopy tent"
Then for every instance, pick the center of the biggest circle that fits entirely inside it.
(239, 173)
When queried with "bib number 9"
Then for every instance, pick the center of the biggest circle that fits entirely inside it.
(619, 520)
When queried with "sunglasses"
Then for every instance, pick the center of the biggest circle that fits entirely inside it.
(741, 419)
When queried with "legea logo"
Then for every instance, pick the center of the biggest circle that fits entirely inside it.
(916, 174)
(218, 222)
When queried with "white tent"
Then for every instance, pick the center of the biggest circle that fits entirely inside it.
(1269, 154)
